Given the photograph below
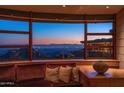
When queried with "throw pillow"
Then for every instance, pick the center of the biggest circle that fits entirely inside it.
(52, 74)
(65, 74)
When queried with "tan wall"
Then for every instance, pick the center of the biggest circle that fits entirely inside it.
(120, 37)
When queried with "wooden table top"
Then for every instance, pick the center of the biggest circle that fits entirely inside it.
(89, 72)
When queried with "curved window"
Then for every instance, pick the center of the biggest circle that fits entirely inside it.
(54, 40)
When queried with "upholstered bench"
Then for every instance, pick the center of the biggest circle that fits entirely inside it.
(31, 74)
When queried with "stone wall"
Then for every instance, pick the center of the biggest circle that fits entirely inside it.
(120, 37)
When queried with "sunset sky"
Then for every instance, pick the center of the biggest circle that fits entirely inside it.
(49, 33)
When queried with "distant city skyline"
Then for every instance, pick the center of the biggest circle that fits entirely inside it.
(49, 33)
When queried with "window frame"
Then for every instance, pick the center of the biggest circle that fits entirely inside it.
(31, 19)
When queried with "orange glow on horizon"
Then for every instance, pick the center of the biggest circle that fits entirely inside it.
(47, 41)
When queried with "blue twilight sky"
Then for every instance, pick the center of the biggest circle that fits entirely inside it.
(49, 33)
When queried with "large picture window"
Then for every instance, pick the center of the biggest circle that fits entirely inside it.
(58, 40)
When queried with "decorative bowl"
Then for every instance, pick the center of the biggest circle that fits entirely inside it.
(100, 67)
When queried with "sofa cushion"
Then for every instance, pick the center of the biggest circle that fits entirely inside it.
(52, 74)
(65, 74)
(75, 73)
(29, 71)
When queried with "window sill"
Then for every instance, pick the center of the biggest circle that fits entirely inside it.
(64, 60)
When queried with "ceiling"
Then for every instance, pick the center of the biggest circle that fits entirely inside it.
(68, 9)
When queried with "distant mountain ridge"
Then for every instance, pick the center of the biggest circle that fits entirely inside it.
(58, 45)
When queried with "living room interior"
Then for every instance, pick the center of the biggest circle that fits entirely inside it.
(61, 46)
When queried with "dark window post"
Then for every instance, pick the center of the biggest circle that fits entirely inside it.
(30, 37)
